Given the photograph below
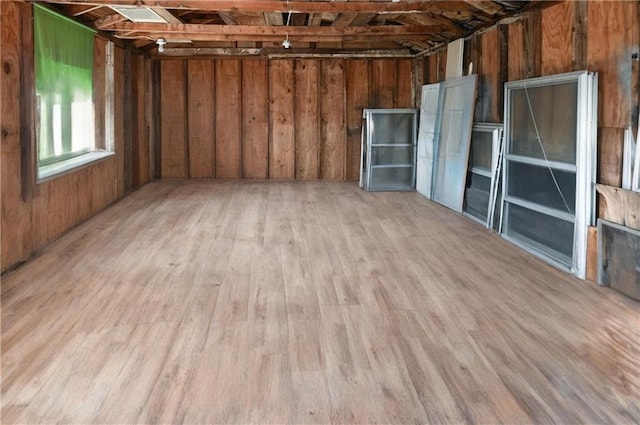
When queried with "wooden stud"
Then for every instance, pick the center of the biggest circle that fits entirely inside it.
(281, 116)
(201, 118)
(332, 111)
(228, 118)
(307, 119)
(173, 119)
(357, 92)
(255, 116)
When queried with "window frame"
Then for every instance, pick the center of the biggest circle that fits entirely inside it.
(103, 104)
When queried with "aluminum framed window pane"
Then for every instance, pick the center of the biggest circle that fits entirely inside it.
(619, 258)
(392, 128)
(550, 129)
(477, 197)
(552, 111)
(387, 155)
(391, 178)
(388, 144)
(537, 185)
(483, 176)
(481, 150)
(546, 234)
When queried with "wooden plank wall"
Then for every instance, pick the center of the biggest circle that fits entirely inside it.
(570, 36)
(33, 218)
(272, 119)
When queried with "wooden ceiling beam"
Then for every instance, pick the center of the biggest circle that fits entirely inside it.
(322, 31)
(275, 38)
(401, 6)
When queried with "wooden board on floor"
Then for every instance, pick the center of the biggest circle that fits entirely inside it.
(307, 119)
(619, 206)
(281, 116)
(228, 123)
(255, 124)
(201, 117)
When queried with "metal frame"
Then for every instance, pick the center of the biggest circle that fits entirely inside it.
(427, 136)
(367, 145)
(585, 167)
(496, 149)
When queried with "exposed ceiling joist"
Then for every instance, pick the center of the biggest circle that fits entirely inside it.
(401, 6)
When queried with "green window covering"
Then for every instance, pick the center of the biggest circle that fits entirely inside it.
(64, 86)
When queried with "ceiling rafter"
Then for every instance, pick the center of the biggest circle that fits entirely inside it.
(401, 6)
(322, 31)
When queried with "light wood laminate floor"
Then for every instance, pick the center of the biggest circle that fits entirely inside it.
(261, 302)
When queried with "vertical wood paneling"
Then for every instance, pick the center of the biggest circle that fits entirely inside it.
(200, 118)
(255, 124)
(517, 68)
(610, 32)
(123, 144)
(357, 89)
(306, 119)
(404, 84)
(383, 83)
(282, 137)
(431, 71)
(490, 85)
(442, 64)
(140, 136)
(16, 214)
(557, 38)
(173, 119)
(332, 121)
(228, 122)
(610, 148)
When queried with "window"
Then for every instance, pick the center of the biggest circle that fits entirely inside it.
(549, 166)
(65, 95)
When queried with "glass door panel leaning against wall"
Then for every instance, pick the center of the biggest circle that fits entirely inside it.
(549, 166)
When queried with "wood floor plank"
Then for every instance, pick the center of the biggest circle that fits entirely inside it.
(306, 302)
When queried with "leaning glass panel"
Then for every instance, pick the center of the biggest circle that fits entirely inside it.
(543, 186)
(392, 128)
(391, 178)
(481, 150)
(477, 196)
(381, 155)
(545, 117)
(549, 235)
